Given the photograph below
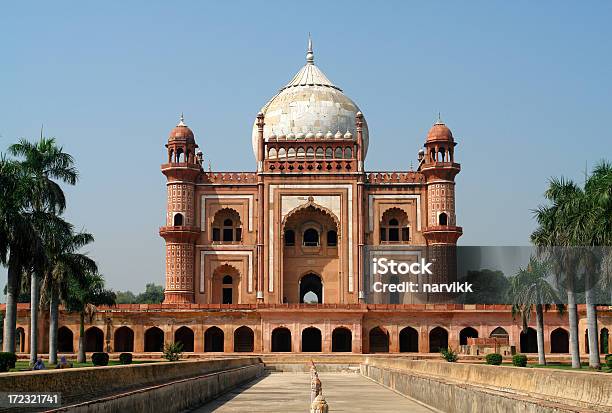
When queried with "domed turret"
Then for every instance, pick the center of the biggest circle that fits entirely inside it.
(310, 102)
(439, 132)
(181, 132)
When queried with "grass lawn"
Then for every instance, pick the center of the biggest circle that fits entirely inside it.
(564, 366)
(24, 365)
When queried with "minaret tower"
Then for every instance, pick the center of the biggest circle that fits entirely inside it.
(441, 231)
(180, 230)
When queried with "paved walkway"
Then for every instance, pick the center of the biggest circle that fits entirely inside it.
(290, 392)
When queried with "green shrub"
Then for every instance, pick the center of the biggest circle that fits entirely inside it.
(609, 360)
(494, 358)
(519, 360)
(449, 355)
(7, 361)
(173, 351)
(99, 359)
(125, 358)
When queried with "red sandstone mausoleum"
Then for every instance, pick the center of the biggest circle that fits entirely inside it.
(273, 260)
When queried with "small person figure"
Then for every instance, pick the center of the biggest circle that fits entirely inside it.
(39, 365)
(63, 364)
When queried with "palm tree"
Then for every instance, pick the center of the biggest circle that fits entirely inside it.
(66, 263)
(43, 161)
(530, 289)
(554, 237)
(20, 243)
(593, 228)
(84, 295)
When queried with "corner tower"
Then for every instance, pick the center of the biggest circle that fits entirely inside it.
(437, 163)
(180, 230)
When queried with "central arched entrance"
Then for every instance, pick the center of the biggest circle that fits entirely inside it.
(311, 289)
(310, 240)
(311, 339)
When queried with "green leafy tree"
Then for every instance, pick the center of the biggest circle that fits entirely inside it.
(490, 287)
(531, 290)
(153, 294)
(85, 293)
(125, 297)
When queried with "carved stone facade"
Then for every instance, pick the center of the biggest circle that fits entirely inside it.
(274, 260)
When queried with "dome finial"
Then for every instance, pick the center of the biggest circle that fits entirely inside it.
(309, 53)
(439, 121)
(182, 120)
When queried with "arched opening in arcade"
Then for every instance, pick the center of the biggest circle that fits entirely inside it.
(94, 340)
(408, 340)
(342, 340)
(379, 340)
(438, 340)
(153, 339)
(20, 339)
(65, 340)
(213, 340)
(499, 333)
(559, 341)
(281, 339)
(184, 335)
(124, 340)
(244, 340)
(311, 289)
(468, 332)
(311, 340)
(529, 341)
(603, 341)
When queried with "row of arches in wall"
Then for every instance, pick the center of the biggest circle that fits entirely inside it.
(123, 339)
(311, 153)
(311, 339)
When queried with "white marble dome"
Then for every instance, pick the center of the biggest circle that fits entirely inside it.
(309, 103)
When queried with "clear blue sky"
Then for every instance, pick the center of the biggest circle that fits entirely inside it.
(525, 87)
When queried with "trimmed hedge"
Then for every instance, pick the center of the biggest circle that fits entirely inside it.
(519, 360)
(494, 359)
(7, 361)
(125, 358)
(99, 359)
(609, 360)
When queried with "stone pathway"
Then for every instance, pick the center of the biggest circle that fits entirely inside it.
(290, 392)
